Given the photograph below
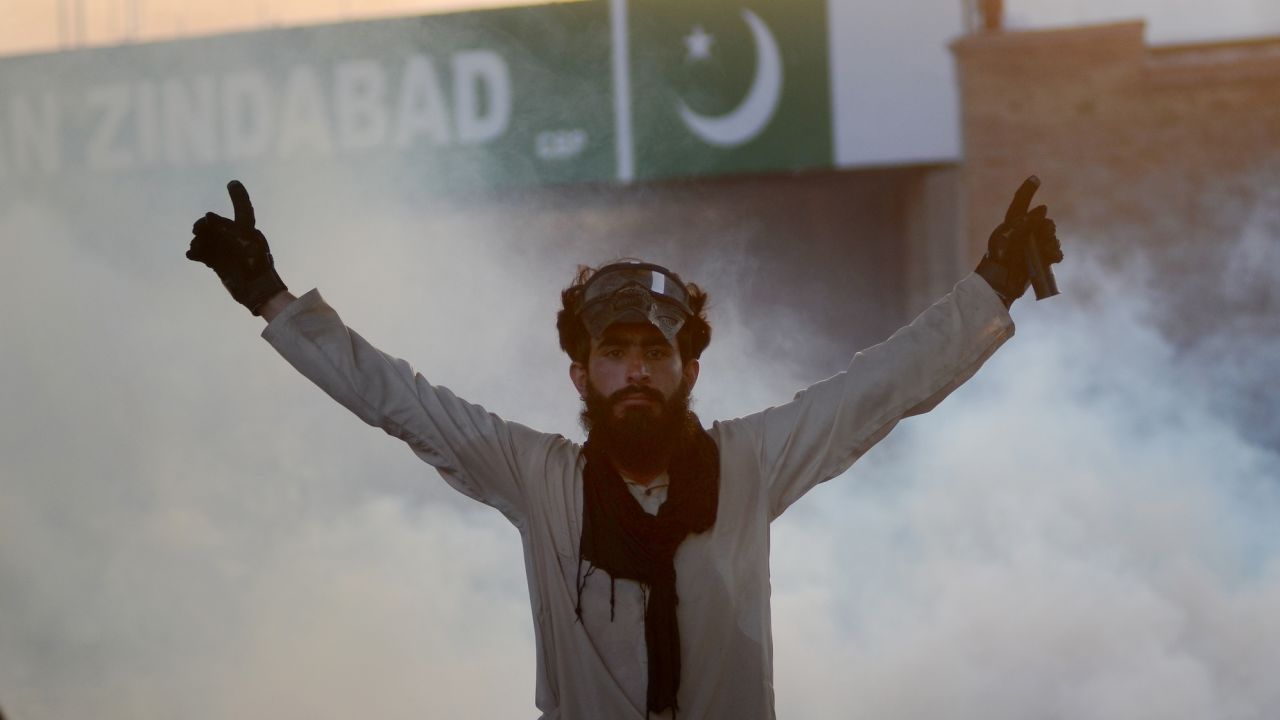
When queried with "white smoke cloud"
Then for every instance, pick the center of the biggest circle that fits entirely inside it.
(1080, 532)
(189, 529)
(174, 544)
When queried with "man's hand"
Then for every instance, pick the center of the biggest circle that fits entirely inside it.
(237, 252)
(1015, 243)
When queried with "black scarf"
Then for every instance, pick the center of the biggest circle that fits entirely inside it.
(619, 537)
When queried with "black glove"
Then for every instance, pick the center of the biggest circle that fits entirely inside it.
(237, 252)
(1007, 266)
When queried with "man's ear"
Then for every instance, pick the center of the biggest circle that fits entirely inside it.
(578, 374)
(690, 373)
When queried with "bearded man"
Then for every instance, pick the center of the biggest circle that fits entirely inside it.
(646, 548)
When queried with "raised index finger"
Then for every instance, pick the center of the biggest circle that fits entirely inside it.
(240, 204)
(1022, 199)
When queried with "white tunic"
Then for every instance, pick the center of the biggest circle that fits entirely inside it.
(596, 668)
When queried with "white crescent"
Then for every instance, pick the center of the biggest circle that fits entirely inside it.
(748, 119)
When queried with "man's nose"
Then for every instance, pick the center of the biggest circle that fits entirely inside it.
(637, 370)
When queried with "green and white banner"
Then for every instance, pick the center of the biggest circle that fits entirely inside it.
(601, 90)
(722, 86)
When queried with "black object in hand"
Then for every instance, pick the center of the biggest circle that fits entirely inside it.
(237, 252)
(1021, 249)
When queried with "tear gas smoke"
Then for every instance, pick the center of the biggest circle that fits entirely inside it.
(1083, 531)
(190, 529)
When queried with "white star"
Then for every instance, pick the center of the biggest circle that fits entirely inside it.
(698, 44)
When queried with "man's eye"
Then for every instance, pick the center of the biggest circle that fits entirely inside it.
(657, 354)
(613, 353)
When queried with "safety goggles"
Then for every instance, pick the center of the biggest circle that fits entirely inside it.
(635, 292)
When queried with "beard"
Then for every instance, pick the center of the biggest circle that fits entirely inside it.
(642, 439)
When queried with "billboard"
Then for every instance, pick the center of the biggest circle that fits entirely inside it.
(602, 90)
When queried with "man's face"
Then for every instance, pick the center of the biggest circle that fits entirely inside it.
(635, 367)
(636, 395)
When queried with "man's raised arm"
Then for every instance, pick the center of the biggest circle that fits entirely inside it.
(820, 433)
(477, 452)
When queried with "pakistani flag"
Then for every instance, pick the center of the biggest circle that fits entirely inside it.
(722, 86)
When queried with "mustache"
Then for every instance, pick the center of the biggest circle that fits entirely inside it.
(630, 390)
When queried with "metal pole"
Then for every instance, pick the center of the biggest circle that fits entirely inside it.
(992, 15)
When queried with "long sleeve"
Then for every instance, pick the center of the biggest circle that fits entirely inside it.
(475, 451)
(829, 425)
